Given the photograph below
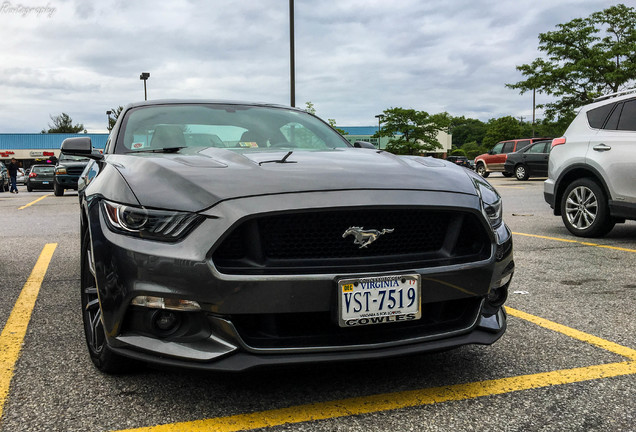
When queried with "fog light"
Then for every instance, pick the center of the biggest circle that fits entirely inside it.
(166, 321)
(497, 296)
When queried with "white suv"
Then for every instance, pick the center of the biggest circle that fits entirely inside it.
(592, 168)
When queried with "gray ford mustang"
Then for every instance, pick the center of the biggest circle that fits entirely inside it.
(225, 236)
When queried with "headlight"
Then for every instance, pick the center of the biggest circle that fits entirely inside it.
(148, 223)
(494, 212)
(60, 170)
(491, 204)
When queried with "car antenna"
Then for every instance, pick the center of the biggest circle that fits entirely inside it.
(283, 160)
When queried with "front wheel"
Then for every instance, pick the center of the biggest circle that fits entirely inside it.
(101, 355)
(481, 170)
(521, 173)
(58, 190)
(584, 209)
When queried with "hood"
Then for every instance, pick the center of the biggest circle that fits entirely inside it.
(194, 181)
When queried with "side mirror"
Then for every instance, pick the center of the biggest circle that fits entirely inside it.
(80, 146)
(364, 144)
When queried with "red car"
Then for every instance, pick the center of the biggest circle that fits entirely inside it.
(494, 160)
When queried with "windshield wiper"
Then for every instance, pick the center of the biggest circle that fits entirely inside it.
(283, 160)
(159, 150)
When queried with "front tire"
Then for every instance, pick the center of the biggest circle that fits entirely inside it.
(481, 170)
(584, 209)
(58, 190)
(101, 355)
(521, 173)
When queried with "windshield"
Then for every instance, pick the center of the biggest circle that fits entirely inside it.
(69, 158)
(44, 169)
(224, 126)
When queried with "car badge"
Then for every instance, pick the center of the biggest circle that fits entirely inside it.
(364, 237)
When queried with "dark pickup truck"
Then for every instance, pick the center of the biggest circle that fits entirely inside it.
(67, 172)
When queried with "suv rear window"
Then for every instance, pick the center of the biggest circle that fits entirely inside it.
(597, 116)
(42, 170)
(628, 116)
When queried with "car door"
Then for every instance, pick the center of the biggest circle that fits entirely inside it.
(498, 155)
(536, 159)
(612, 151)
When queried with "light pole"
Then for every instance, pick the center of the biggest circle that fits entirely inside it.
(108, 113)
(144, 76)
(380, 117)
(292, 61)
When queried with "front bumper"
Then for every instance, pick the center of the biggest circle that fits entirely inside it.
(238, 310)
(66, 181)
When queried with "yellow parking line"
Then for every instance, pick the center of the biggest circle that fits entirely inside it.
(393, 401)
(33, 202)
(399, 400)
(15, 329)
(576, 241)
(575, 334)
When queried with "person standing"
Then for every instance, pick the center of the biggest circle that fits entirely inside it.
(13, 173)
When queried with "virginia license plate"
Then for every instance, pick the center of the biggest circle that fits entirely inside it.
(378, 300)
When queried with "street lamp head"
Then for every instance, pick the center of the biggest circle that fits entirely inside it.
(109, 112)
(144, 76)
(380, 117)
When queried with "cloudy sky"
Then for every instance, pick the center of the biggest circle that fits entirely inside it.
(354, 58)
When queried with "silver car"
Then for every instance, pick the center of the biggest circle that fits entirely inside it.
(591, 176)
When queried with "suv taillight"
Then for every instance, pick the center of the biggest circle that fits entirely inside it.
(31, 175)
(558, 141)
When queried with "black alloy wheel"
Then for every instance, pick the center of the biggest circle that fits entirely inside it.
(101, 355)
(481, 170)
(584, 209)
(521, 172)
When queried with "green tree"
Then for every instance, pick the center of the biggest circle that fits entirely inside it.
(63, 123)
(114, 115)
(466, 130)
(332, 123)
(310, 108)
(584, 58)
(412, 132)
(505, 128)
(472, 149)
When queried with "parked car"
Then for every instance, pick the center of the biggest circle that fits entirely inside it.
(494, 160)
(286, 245)
(40, 177)
(21, 177)
(530, 161)
(67, 172)
(4, 178)
(459, 160)
(591, 182)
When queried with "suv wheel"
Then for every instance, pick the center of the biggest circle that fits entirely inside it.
(584, 209)
(58, 190)
(481, 170)
(521, 172)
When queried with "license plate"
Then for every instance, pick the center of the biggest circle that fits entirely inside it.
(45, 182)
(378, 300)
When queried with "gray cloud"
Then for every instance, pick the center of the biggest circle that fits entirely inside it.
(354, 58)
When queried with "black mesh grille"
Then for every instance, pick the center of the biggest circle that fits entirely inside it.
(313, 241)
(74, 170)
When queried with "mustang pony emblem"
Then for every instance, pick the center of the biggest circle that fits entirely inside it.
(365, 237)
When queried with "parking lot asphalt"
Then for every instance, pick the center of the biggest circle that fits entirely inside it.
(566, 363)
